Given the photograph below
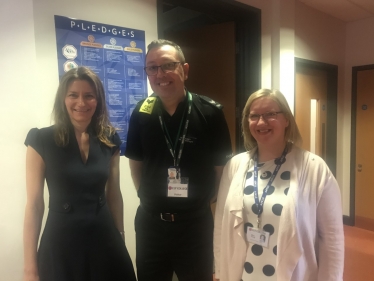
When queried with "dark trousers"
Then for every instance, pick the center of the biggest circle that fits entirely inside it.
(185, 247)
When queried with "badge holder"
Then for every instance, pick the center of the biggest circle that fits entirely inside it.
(177, 186)
(257, 236)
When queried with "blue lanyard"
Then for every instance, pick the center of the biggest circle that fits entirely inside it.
(168, 140)
(260, 204)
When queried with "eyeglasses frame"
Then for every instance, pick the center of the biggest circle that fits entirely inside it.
(161, 65)
(262, 116)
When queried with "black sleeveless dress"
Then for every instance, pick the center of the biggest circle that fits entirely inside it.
(80, 241)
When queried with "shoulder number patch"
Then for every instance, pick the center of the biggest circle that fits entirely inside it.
(148, 104)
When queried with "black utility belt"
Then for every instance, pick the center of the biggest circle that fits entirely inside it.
(176, 217)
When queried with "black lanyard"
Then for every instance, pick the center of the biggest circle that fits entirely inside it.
(167, 136)
(260, 204)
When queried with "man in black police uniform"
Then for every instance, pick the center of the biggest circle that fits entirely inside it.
(178, 143)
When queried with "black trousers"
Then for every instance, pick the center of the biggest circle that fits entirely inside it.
(185, 247)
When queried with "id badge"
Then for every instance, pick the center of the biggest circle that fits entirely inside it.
(258, 237)
(178, 190)
(177, 186)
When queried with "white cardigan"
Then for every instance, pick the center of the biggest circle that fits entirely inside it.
(310, 244)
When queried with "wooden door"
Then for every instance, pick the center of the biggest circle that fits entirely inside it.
(364, 175)
(210, 52)
(311, 84)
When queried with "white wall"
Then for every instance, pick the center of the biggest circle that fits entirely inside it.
(17, 92)
(28, 83)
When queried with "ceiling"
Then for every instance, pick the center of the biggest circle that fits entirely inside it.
(345, 10)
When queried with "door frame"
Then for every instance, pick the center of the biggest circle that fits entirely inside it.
(248, 46)
(331, 97)
(350, 220)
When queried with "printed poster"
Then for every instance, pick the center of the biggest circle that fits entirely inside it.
(116, 54)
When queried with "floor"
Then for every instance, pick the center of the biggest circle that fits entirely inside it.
(359, 254)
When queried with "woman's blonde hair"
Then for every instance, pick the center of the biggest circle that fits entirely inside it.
(100, 124)
(292, 133)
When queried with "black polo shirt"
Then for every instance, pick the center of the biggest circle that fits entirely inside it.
(207, 144)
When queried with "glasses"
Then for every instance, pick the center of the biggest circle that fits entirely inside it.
(166, 67)
(268, 116)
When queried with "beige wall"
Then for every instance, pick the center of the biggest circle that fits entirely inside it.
(319, 37)
(360, 43)
(277, 44)
(29, 80)
(323, 38)
(359, 51)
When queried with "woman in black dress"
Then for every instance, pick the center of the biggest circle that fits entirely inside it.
(79, 159)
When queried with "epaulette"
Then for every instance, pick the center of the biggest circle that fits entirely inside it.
(210, 101)
(148, 105)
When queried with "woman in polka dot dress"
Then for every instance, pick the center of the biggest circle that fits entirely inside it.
(279, 214)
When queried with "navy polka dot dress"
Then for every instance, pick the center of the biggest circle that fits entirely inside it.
(260, 261)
